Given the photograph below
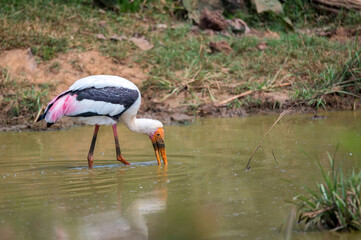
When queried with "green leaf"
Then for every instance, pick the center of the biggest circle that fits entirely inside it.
(326, 177)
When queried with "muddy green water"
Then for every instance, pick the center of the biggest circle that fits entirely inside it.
(47, 192)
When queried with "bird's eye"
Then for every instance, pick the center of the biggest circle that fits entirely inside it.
(158, 134)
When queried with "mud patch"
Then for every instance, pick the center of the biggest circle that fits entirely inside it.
(281, 97)
(19, 61)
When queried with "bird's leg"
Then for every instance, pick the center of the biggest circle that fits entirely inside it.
(91, 150)
(117, 148)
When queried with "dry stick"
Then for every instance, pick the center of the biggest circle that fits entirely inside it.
(87, 33)
(260, 142)
(38, 114)
(250, 92)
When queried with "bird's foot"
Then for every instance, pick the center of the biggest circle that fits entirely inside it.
(90, 160)
(121, 159)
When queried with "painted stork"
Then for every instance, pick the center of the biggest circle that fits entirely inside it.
(105, 100)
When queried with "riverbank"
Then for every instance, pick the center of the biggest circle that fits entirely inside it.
(183, 71)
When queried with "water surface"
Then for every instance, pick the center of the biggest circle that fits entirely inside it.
(47, 191)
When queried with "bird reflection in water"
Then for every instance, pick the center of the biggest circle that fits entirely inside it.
(143, 206)
(128, 223)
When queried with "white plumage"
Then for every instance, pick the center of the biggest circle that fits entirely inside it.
(101, 81)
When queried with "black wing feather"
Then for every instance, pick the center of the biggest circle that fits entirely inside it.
(115, 95)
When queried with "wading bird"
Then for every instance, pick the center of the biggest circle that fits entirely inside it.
(105, 100)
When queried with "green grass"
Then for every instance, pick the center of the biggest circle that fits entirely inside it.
(47, 47)
(292, 56)
(339, 79)
(47, 28)
(21, 99)
(335, 205)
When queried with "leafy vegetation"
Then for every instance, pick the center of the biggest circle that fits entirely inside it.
(336, 203)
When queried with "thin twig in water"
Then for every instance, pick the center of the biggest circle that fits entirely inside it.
(273, 154)
(260, 142)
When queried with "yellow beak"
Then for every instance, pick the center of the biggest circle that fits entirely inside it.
(159, 149)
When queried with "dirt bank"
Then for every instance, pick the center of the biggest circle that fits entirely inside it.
(182, 102)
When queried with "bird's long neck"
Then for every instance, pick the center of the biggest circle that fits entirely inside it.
(140, 125)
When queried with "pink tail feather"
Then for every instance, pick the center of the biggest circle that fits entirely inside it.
(61, 105)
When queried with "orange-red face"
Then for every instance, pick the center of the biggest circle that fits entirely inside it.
(158, 145)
